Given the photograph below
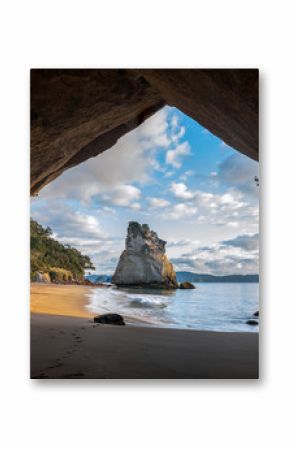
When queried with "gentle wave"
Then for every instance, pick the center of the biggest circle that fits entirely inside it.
(147, 303)
(218, 307)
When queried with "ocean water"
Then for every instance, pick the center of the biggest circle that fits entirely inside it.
(217, 307)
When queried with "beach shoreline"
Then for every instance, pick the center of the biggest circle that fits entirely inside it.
(76, 348)
(67, 344)
(69, 301)
(55, 299)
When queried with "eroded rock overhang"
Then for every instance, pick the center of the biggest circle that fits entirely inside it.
(78, 113)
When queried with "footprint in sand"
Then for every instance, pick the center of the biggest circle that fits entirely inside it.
(57, 365)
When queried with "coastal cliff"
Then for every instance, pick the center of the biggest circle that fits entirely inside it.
(144, 262)
(51, 261)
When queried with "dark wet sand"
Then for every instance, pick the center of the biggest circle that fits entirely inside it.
(75, 348)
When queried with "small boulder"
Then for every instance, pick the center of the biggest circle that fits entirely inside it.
(101, 285)
(110, 318)
(256, 313)
(88, 283)
(186, 285)
(252, 322)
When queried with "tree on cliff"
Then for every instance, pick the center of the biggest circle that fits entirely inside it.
(48, 254)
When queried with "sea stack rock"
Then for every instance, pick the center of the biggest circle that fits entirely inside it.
(144, 263)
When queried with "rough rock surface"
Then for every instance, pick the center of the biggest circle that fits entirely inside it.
(110, 318)
(186, 285)
(225, 101)
(41, 277)
(78, 113)
(252, 322)
(144, 262)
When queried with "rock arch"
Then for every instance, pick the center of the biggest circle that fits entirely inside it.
(78, 113)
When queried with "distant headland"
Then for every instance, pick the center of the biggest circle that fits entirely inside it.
(183, 276)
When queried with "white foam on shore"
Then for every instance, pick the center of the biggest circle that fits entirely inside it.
(217, 307)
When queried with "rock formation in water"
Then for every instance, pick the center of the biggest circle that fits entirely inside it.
(186, 285)
(144, 262)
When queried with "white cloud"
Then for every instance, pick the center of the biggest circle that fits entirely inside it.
(179, 134)
(174, 121)
(109, 210)
(180, 190)
(158, 202)
(186, 175)
(239, 171)
(231, 201)
(173, 157)
(154, 131)
(67, 223)
(110, 179)
(232, 224)
(227, 210)
(181, 210)
(123, 195)
(182, 243)
(131, 160)
(249, 242)
(236, 256)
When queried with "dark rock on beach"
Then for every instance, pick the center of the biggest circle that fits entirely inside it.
(256, 313)
(252, 322)
(103, 285)
(186, 285)
(110, 318)
(88, 283)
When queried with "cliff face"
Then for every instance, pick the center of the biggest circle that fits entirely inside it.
(144, 262)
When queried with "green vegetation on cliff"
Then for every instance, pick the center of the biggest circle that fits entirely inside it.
(50, 256)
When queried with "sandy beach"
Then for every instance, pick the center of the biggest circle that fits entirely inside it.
(66, 344)
(66, 300)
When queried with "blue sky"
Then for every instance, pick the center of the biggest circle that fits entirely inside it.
(189, 186)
